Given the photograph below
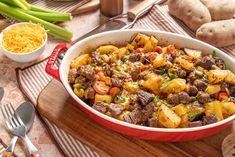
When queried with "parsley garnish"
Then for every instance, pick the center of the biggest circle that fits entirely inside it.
(172, 76)
(156, 100)
(165, 84)
(213, 54)
(93, 65)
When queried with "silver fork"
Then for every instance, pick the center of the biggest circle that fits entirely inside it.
(17, 128)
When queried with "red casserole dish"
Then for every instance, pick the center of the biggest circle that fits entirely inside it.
(122, 37)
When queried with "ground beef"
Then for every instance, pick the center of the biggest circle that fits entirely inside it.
(192, 90)
(203, 97)
(116, 82)
(232, 90)
(173, 99)
(184, 98)
(136, 116)
(86, 71)
(179, 72)
(107, 70)
(205, 62)
(201, 85)
(133, 99)
(209, 119)
(224, 86)
(135, 73)
(99, 106)
(144, 97)
(192, 76)
(90, 93)
(148, 110)
(115, 109)
(194, 124)
(220, 63)
(232, 99)
(72, 75)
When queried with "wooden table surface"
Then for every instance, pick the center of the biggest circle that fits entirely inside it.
(79, 25)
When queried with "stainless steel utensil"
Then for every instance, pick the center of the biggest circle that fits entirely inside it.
(1, 93)
(19, 122)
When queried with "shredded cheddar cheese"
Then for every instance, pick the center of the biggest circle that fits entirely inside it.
(23, 38)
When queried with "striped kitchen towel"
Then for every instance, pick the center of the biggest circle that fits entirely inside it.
(34, 78)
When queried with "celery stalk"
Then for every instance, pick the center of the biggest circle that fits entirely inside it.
(39, 9)
(54, 30)
(50, 17)
(25, 3)
(20, 4)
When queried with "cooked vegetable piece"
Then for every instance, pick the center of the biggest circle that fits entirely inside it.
(103, 98)
(216, 76)
(132, 87)
(184, 63)
(212, 89)
(175, 86)
(107, 49)
(167, 117)
(153, 82)
(230, 77)
(100, 87)
(193, 53)
(139, 40)
(114, 91)
(83, 59)
(159, 61)
(214, 108)
(228, 108)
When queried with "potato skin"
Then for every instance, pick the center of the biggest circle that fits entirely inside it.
(192, 12)
(220, 9)
(218, 33)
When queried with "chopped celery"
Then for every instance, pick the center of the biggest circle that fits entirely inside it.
(21, 16)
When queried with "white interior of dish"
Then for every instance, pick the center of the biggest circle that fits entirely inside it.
(124, 36)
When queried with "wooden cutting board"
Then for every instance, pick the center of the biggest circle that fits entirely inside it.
(55, 104)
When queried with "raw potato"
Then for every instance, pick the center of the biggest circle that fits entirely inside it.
(192, 12)
(218, 33)
(220, 9)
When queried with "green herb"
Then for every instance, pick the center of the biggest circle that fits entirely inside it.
(206, 78)
(192, 115)
(172, 76)
(181, 52)
(161, 71)
(193, 98)
(93, 65)
(119, 98)
(156, 100)
(165, 84)
(165, 76)
(105, 101)
(213, 54)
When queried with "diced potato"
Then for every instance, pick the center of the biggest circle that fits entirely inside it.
(132, 87)
(153, 82)
(121, 116)
(193, 53)
(83, 59)
(164, 50)
(216, 76)
(228, 108)
(130, 47)
(174, 86)
(184, 121)
(212, 89)
(121, 52)
(148, 47)
(139, 40)
(104, 98)
(79, 92)
(154, 41)
(230, 78)
(215, 108)
(184, 63)
(167, 117)
(159, 61)
(180, 110)
(106, 49)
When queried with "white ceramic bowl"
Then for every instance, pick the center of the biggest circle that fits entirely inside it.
(22, 57)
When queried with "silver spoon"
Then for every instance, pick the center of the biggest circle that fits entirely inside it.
(26, 111)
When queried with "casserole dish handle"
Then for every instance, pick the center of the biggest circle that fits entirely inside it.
(50, 66)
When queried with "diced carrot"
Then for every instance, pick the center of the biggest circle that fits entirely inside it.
(114, 91)
(151, 57)
(158, 49)
(139, 50)
(97, 70)
(222, 96)
(170, 48)
(101, 76)
(100, 87)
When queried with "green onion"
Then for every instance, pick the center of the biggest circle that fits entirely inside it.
(160, 71)
(24, 17)
(93, 65)
(156, 100)
(206, 78)
(165, 84)
(199, 73)
(199, 68)
(50, 17)
(172, 76)
(165, 76)
(193, 98)
(119, 97)
(213, 54)
(181, 52)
